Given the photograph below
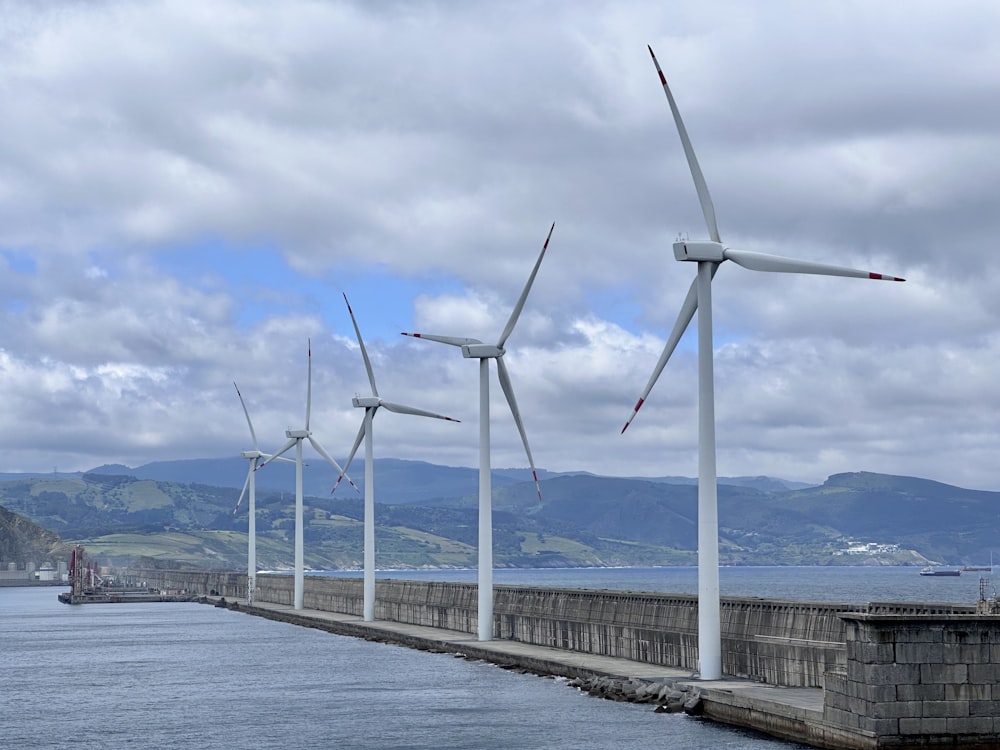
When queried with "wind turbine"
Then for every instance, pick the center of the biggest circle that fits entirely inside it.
(371, 405)
(295, 438)
(254, 457)
(709, 254)
(476, 349)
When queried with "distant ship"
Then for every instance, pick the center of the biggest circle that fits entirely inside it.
(979, 568)
(936, 572)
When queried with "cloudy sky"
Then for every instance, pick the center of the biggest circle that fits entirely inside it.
(187, 189)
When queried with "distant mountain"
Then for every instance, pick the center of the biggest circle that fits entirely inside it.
(765, 484)
(399, 481)
(945, 523)
(427, 516)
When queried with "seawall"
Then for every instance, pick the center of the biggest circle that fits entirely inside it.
(788, 643)
(848, 655)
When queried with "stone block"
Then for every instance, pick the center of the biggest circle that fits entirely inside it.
(872, 693)
(975, 654)
(835, 682)
(923, 726)
(838, 701)
(928, 634)
(943, 673)
(933, 692)
(962, 634)
(871, 653)
(980, 674)
(970, 725)
(896, 710)
(881, 727)
(840, 718)
(984, 708)
(920, 653)
(945, 709)
(882, 636)
(885, 674)
(966, 692)
(859, 706)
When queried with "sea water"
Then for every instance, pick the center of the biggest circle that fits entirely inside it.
(186, 675)
(829, 584)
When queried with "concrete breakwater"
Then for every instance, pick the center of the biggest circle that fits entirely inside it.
(832, 675)
(788, 643)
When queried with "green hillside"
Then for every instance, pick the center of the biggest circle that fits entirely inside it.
(581, 520)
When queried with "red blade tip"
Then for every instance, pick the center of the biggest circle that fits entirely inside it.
(884, 277)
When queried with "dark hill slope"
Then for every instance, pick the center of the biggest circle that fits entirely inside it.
(23, 541)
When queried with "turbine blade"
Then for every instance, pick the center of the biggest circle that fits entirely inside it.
(291, 442)
(687, 311)
(699, 179)
(354, 450)
(508, 391)
(452, 340)
(364, 352)
(322, 451)
(516, 313)
(402, 409)
(779, 264)
(246, 483)
(309, 384)
(253, 434)
(279, 459)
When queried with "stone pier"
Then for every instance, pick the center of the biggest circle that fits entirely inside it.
(883, 675)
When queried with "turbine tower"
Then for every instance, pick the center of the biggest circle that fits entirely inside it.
(254, 457)
(371, 405)
(295, 438)
(709, 254)
(475, 349)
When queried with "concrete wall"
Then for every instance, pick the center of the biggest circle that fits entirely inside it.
(776, 642)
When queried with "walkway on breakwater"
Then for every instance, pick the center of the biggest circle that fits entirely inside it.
(788, 713)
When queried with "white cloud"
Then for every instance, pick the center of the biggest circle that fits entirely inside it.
(434, 138)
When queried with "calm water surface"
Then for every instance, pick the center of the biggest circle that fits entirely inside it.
(193, 676)
(831, 584)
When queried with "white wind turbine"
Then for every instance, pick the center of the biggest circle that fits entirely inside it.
(254, 457)
(709, 254)
(371, 405)
(475, 349)
(295, 438)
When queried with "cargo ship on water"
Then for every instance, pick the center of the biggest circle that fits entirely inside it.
(939, 572)
(88, 586)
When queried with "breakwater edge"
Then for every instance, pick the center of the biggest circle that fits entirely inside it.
(779, 656)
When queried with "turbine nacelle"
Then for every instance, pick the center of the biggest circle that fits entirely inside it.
(703, 250)
(482, 351)
(251, 454)
(365, 402)
(297, 434)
